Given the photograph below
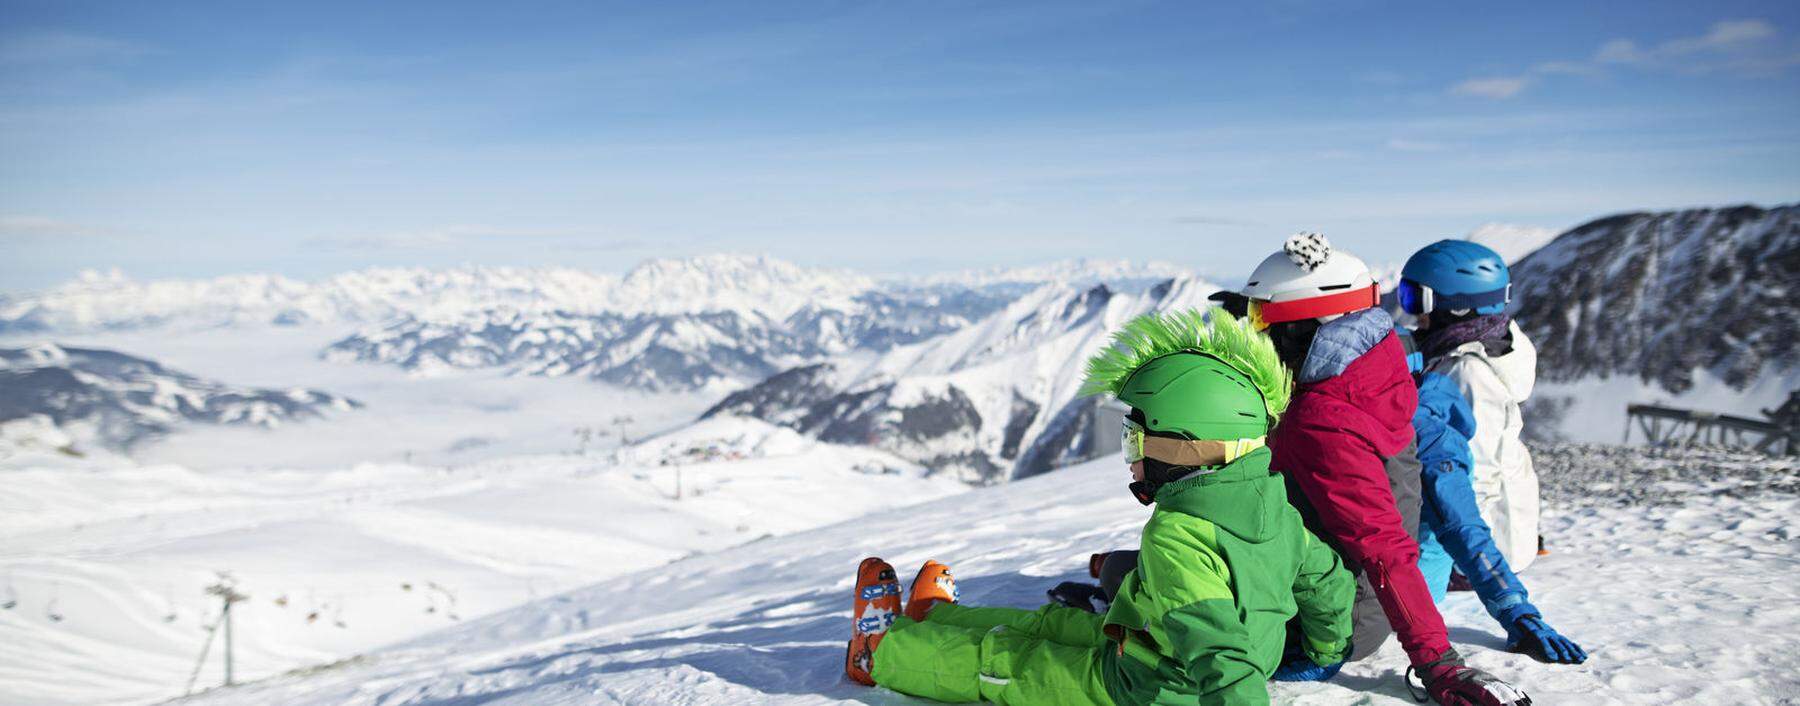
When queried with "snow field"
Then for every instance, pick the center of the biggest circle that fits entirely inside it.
(337, 562)
(1689, 599)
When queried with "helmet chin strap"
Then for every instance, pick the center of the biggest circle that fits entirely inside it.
(1144, 491)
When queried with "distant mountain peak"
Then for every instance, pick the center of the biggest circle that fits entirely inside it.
(1511, 241)
(1121, 273)
(746, 284)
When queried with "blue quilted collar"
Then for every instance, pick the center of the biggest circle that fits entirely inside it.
(1342, 340)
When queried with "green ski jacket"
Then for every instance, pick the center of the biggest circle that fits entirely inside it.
(1224, 564)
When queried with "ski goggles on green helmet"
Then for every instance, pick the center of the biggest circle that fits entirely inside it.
(1139, 445)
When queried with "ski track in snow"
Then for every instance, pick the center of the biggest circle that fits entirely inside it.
(1678, 602)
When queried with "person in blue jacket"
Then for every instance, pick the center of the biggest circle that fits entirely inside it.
(1451, 529)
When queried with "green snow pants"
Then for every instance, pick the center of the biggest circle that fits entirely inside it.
(1052, 655)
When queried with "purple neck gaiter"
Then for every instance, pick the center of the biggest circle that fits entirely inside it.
(1440, 340)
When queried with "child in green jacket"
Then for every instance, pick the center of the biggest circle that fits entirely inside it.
(1224, 562)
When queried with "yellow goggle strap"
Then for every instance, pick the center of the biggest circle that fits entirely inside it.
(1205, 452)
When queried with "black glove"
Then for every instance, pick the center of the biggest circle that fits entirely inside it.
(1452, 683)
(1076, 594)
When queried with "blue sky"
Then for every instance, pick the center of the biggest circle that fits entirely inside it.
(195, 138)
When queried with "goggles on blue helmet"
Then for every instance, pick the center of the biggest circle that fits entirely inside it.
(1418, 299)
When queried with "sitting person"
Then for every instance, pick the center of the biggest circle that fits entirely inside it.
(1346, 447)
(1225, 561)
(1452, 531)
(1459, 291)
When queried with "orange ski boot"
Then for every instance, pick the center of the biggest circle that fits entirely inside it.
(877, 602)
(933, 584)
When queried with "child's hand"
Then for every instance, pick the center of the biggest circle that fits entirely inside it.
(1452, 683)
(1075, 594)
(1303, 669)
(1531, 635)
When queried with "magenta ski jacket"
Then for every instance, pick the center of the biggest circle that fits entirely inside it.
(1353, 407)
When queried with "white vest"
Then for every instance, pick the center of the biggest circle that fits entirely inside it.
(1506, 486)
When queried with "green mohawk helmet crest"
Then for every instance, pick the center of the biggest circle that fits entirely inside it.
(1202, 374)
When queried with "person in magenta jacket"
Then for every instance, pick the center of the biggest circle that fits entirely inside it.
(1352, 411)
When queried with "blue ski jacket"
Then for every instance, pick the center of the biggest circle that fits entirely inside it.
(1443, 425)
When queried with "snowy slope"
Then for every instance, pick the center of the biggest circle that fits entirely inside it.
(989, 402)
(104, 563)
(1673, 569)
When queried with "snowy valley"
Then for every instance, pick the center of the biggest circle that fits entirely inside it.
(545, 486)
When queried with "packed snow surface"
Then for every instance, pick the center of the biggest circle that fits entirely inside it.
(104, 562)
(1674, 569)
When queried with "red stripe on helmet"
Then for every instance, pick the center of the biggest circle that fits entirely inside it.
(1315, 307)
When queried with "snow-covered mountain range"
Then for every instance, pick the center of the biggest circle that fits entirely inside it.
(990, 402)
(117, 400)
(1693, 308)
(1664, 296)
(748, 285)
(669, 350)
(1646, 305)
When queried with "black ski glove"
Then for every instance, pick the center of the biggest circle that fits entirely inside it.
(1076, 594)
(1449, 682)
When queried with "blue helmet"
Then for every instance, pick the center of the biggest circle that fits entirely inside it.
(1455, 275)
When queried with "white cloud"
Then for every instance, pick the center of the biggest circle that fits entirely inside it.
(1741, 46)
(1727, 37)
(1495, 87)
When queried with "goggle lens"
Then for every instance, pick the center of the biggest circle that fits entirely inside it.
(1256, 315)
(1132, 442)
(1411, 299)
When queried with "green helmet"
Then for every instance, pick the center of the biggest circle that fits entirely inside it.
(1200, 375)
(1197, 396)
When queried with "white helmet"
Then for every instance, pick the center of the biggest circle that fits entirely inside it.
(1309, 280)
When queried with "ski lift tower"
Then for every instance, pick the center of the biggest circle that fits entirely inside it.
(226, 590)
